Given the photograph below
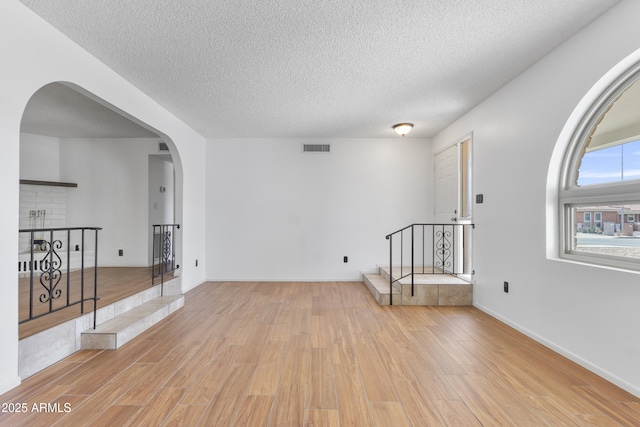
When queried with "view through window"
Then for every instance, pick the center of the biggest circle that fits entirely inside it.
(610, 230)
(611, 164)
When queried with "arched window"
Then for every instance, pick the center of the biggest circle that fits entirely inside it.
(599, 192)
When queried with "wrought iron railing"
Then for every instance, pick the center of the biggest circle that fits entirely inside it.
(164, 253)
(433, 248)
(49, 263)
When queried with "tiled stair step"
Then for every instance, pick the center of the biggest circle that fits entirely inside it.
(429, 289)
(116, 332)
(379, 288)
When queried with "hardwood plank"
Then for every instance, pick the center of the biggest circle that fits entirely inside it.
(352, 405)
(288, 406)
(190, 369)
(436, 385)
(254, 410)
(154, 376)
(322, 418)
(212, 377)
(116, 415)
(616, 411)
(455, 413)
(159, 406)
(111, 364)
(511, 402)
(221, 412)
(184, 415)
(236, 383)
(388, 414)
(296, 363)
(301, 322)
(267, 375)
(252, 348)
(321, 390)
(391, 358)
(320, 332)
(633, 405)
(374, 374)
(419, 409)
(343, 351)
(552, 410)
(282, 326)
(435, 354)
(481, 402)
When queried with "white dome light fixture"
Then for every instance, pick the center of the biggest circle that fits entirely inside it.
(403, 128)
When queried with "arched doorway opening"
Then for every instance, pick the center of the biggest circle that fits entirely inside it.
(84, 163)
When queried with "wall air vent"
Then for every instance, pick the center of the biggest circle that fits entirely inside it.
(162, 146)
(316, 148)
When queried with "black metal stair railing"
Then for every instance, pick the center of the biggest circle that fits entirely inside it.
(49, 267)
(164, 253)
(436, 249)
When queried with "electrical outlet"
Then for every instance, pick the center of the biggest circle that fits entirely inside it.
(346, 259)
(196, 263)
(506, 287)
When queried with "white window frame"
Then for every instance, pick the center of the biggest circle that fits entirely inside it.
(571, 196)
(585, 218)
(631, 218)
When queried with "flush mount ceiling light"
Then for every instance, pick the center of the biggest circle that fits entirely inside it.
(403, 128)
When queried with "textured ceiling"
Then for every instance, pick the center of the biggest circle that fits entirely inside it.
(318, 68)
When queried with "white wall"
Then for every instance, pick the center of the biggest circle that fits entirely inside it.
(40, 161)
(589, 314)
(113, 193)
(39, 157)
(160, 202)
(37, 55)
(275, 213)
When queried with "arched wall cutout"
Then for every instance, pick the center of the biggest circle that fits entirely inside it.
(152, 133)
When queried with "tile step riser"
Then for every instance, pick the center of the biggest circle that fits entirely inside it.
(430, 294)
(126, 326)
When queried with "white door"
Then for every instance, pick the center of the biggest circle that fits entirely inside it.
(452, 205)
(446, 186)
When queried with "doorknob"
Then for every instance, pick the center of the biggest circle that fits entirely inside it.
(454, 219)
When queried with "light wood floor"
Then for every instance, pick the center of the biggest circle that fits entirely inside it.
(114, 284)
(292, 354)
